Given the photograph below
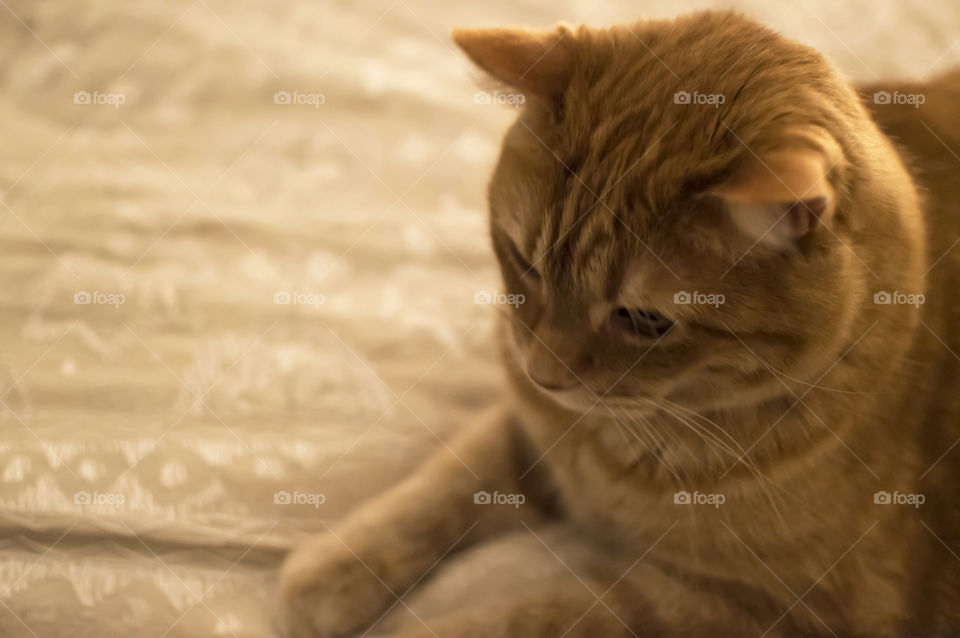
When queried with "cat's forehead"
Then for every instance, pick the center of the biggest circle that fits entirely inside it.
(598, 261)
(580, 250)
(584, 224)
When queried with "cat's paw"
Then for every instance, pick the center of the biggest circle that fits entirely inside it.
(325, 591)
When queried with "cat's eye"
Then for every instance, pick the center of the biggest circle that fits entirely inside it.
(646, 323)
(525, 267)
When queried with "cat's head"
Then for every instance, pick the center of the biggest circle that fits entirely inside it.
(677, 204)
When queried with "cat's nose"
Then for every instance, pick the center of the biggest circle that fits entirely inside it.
(547, 370)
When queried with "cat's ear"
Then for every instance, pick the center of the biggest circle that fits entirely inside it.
(536, 62)
(780, 197)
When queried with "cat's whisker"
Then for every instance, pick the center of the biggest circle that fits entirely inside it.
(716, 425)
(706, 436)
(813, 386)
(660, 435)
(817, 386)
(660, 447)
(678, 442)
(637, 419)
(742, 455)
(621, 426)
(763, 482)
(736, 449)
(714, 441)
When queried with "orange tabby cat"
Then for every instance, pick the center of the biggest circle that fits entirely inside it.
(734, 377)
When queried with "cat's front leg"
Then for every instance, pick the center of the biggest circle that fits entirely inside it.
(567, 607)
(340, 581)
(641, 602)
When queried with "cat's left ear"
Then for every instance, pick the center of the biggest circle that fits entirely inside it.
(536, 62)
(780, 197)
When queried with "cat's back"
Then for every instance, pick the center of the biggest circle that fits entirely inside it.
(905, 110)
(920, 117)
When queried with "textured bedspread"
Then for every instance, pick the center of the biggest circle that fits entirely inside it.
(241, 247)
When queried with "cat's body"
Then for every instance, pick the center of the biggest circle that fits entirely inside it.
(795, 400)
(930, 143)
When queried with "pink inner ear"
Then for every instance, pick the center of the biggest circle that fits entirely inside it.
(804, 215)
(780, 197)
(536, 62)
